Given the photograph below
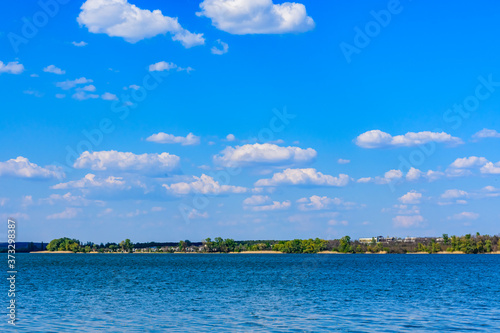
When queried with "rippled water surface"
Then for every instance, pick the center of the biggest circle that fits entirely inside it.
(248, 293)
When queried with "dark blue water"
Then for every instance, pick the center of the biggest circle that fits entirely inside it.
(250, 293)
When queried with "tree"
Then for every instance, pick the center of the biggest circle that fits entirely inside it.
(446, 239)
(182, 246)
(345, 244)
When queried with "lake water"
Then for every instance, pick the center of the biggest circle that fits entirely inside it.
(256, 293)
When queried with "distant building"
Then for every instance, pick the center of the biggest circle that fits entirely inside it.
(367, 240)
(410, 239)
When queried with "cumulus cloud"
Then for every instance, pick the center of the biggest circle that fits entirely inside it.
(408, 221)
(68, 213)
(379, 139)
(204, 185)
(90, 180)
(82, 96)
(343, 161)
(464, 216)
(256, 200)
(54, 70)
(242, 17)
(69, 198)
(303, 177)
(223, 48)
(316, 202)
(161, 137)
(454, 194)
(486, 133)
(230, 137)
(196, 214)
(411, 198)
(150, 164)
(13, 67)
(490, 168)
(119, 18)
(167, 66)
(263, 154)
(109, 97)
(275, 205)
(21, 167)
(68, 84)
(468, 162)
(79, 44)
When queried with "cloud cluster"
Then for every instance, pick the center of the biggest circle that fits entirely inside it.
(162, 137)
(13, 67)
(54, 70)
(148, 164)
(261, 203)
(119, 18)
(316, 202)
(204, 185)
(263, 154)
(241, 17)
(21, 167)
(378, 139)
(486, 133)
(305, 177)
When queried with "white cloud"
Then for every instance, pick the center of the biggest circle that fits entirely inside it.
(167, 66)
(79, 44)
(255, 200)
(230, 137)
(33, 93)
(162, 66)
(263, 154)
(490, 168)
(303, 177)
(407, 221)
(109, 97)
(196, 214)
(60, 96)
(68, 213)
(411, 198)
(343, 161)
(204, 185)
(242, 17)
(316, 202)
(69, 198)
(454, 194)
(276, 205)
(21, 167)
(54, 70)
(161, 137)
(90, 88)
(464, 216)
(68, 84)
(379, 139)
(91, 181)
(13, 67)
(468, 162)
(119, 18)
(413, 174)
(151, 164)
(220, 51)
(82, 96)
(486, 133)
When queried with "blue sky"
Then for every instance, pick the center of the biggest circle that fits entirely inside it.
(185, 120)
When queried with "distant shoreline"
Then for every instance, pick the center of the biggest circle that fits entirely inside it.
(249, 252)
